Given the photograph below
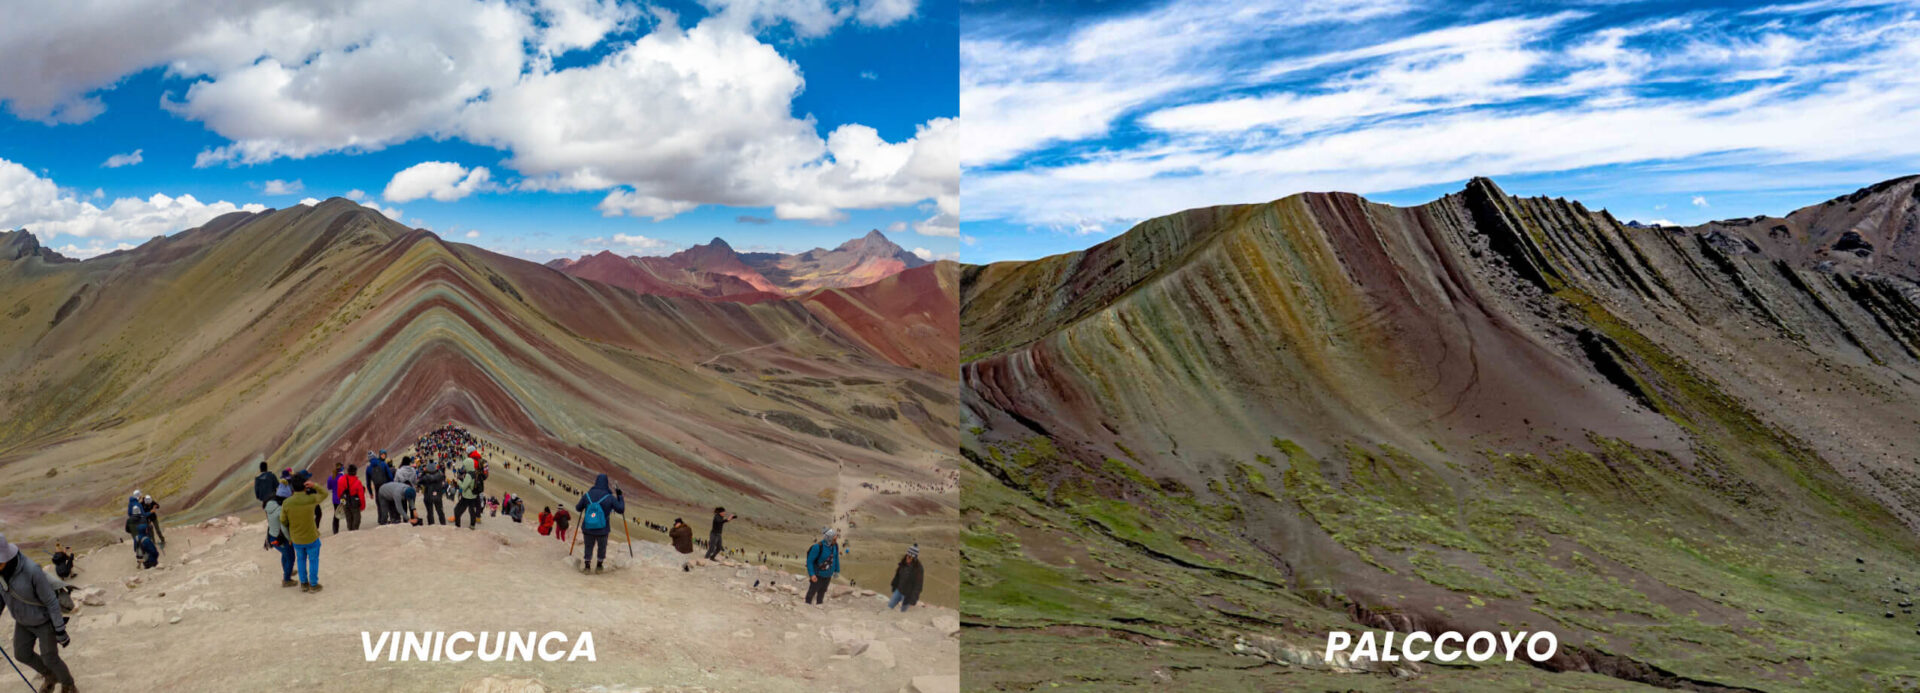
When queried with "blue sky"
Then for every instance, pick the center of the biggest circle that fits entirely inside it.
(540, 128)
(1084, 118)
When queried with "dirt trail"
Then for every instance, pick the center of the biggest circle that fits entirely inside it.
(213, 617)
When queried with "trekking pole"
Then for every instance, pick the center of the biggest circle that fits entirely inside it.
(628, 531)
(16, 669)
(571, 539)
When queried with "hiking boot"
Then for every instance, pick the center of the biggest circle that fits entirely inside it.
(599, 568)
(304, 587)
(46, 686)
(288, 583)
(584, 568)
(69, 688)
(317, 587)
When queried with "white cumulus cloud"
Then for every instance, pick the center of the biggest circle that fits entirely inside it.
(679, 117)
(441, 180)
(39, 205)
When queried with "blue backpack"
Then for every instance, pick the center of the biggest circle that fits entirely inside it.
(593, 518)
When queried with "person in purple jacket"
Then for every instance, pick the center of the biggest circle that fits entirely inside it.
(333, 489)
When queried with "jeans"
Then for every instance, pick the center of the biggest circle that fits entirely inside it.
(817, 589)
(286, 559)
(47, 660)
(308, 557)
(900, 600)
(591, 541)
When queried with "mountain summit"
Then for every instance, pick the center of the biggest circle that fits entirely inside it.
(1686, 451)
(715, 270)
(307, 336)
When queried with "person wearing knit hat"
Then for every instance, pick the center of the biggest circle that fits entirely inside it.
(39, 629)
(823, 562)
(152, 508)
(907, 580)
(277, 538)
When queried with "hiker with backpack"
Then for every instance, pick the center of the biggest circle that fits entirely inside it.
(433, 484)
(596, 506)
(152, 508)
(297, 517)
(264, 485)
(682, 537)
(333, 493)
(823, 562)
(907, 580)
(39, 629)
(353, 497)
(140, 527)
(377, 475)
(277, 538)
(470, 485)
(720, 519)
(561, 521)
(63, 558)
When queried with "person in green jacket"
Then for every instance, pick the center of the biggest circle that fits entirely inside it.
(469, 501)
(298, 515)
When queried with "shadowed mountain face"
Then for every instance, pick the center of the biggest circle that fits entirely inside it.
(1688, 452)
(716, 271)
(308, 336)
(15, 245)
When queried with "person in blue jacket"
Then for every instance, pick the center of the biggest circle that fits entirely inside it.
(596, 508)
(823, 562)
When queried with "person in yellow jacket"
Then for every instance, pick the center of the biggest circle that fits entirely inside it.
(299, 516)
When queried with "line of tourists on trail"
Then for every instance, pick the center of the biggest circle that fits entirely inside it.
(143, 525)
(822, 560)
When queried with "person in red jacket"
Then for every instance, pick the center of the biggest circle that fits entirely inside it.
(353, 496)
(546, 521)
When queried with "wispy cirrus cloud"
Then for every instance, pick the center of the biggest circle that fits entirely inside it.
(119, 160)
(1390, 97)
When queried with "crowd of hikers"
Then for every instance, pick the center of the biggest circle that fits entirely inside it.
(452, 465)
(412, 491)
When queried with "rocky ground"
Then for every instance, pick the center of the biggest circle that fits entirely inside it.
(213, 617)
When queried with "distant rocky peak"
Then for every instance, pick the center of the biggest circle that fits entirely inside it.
(15, 245)
(874, 242)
